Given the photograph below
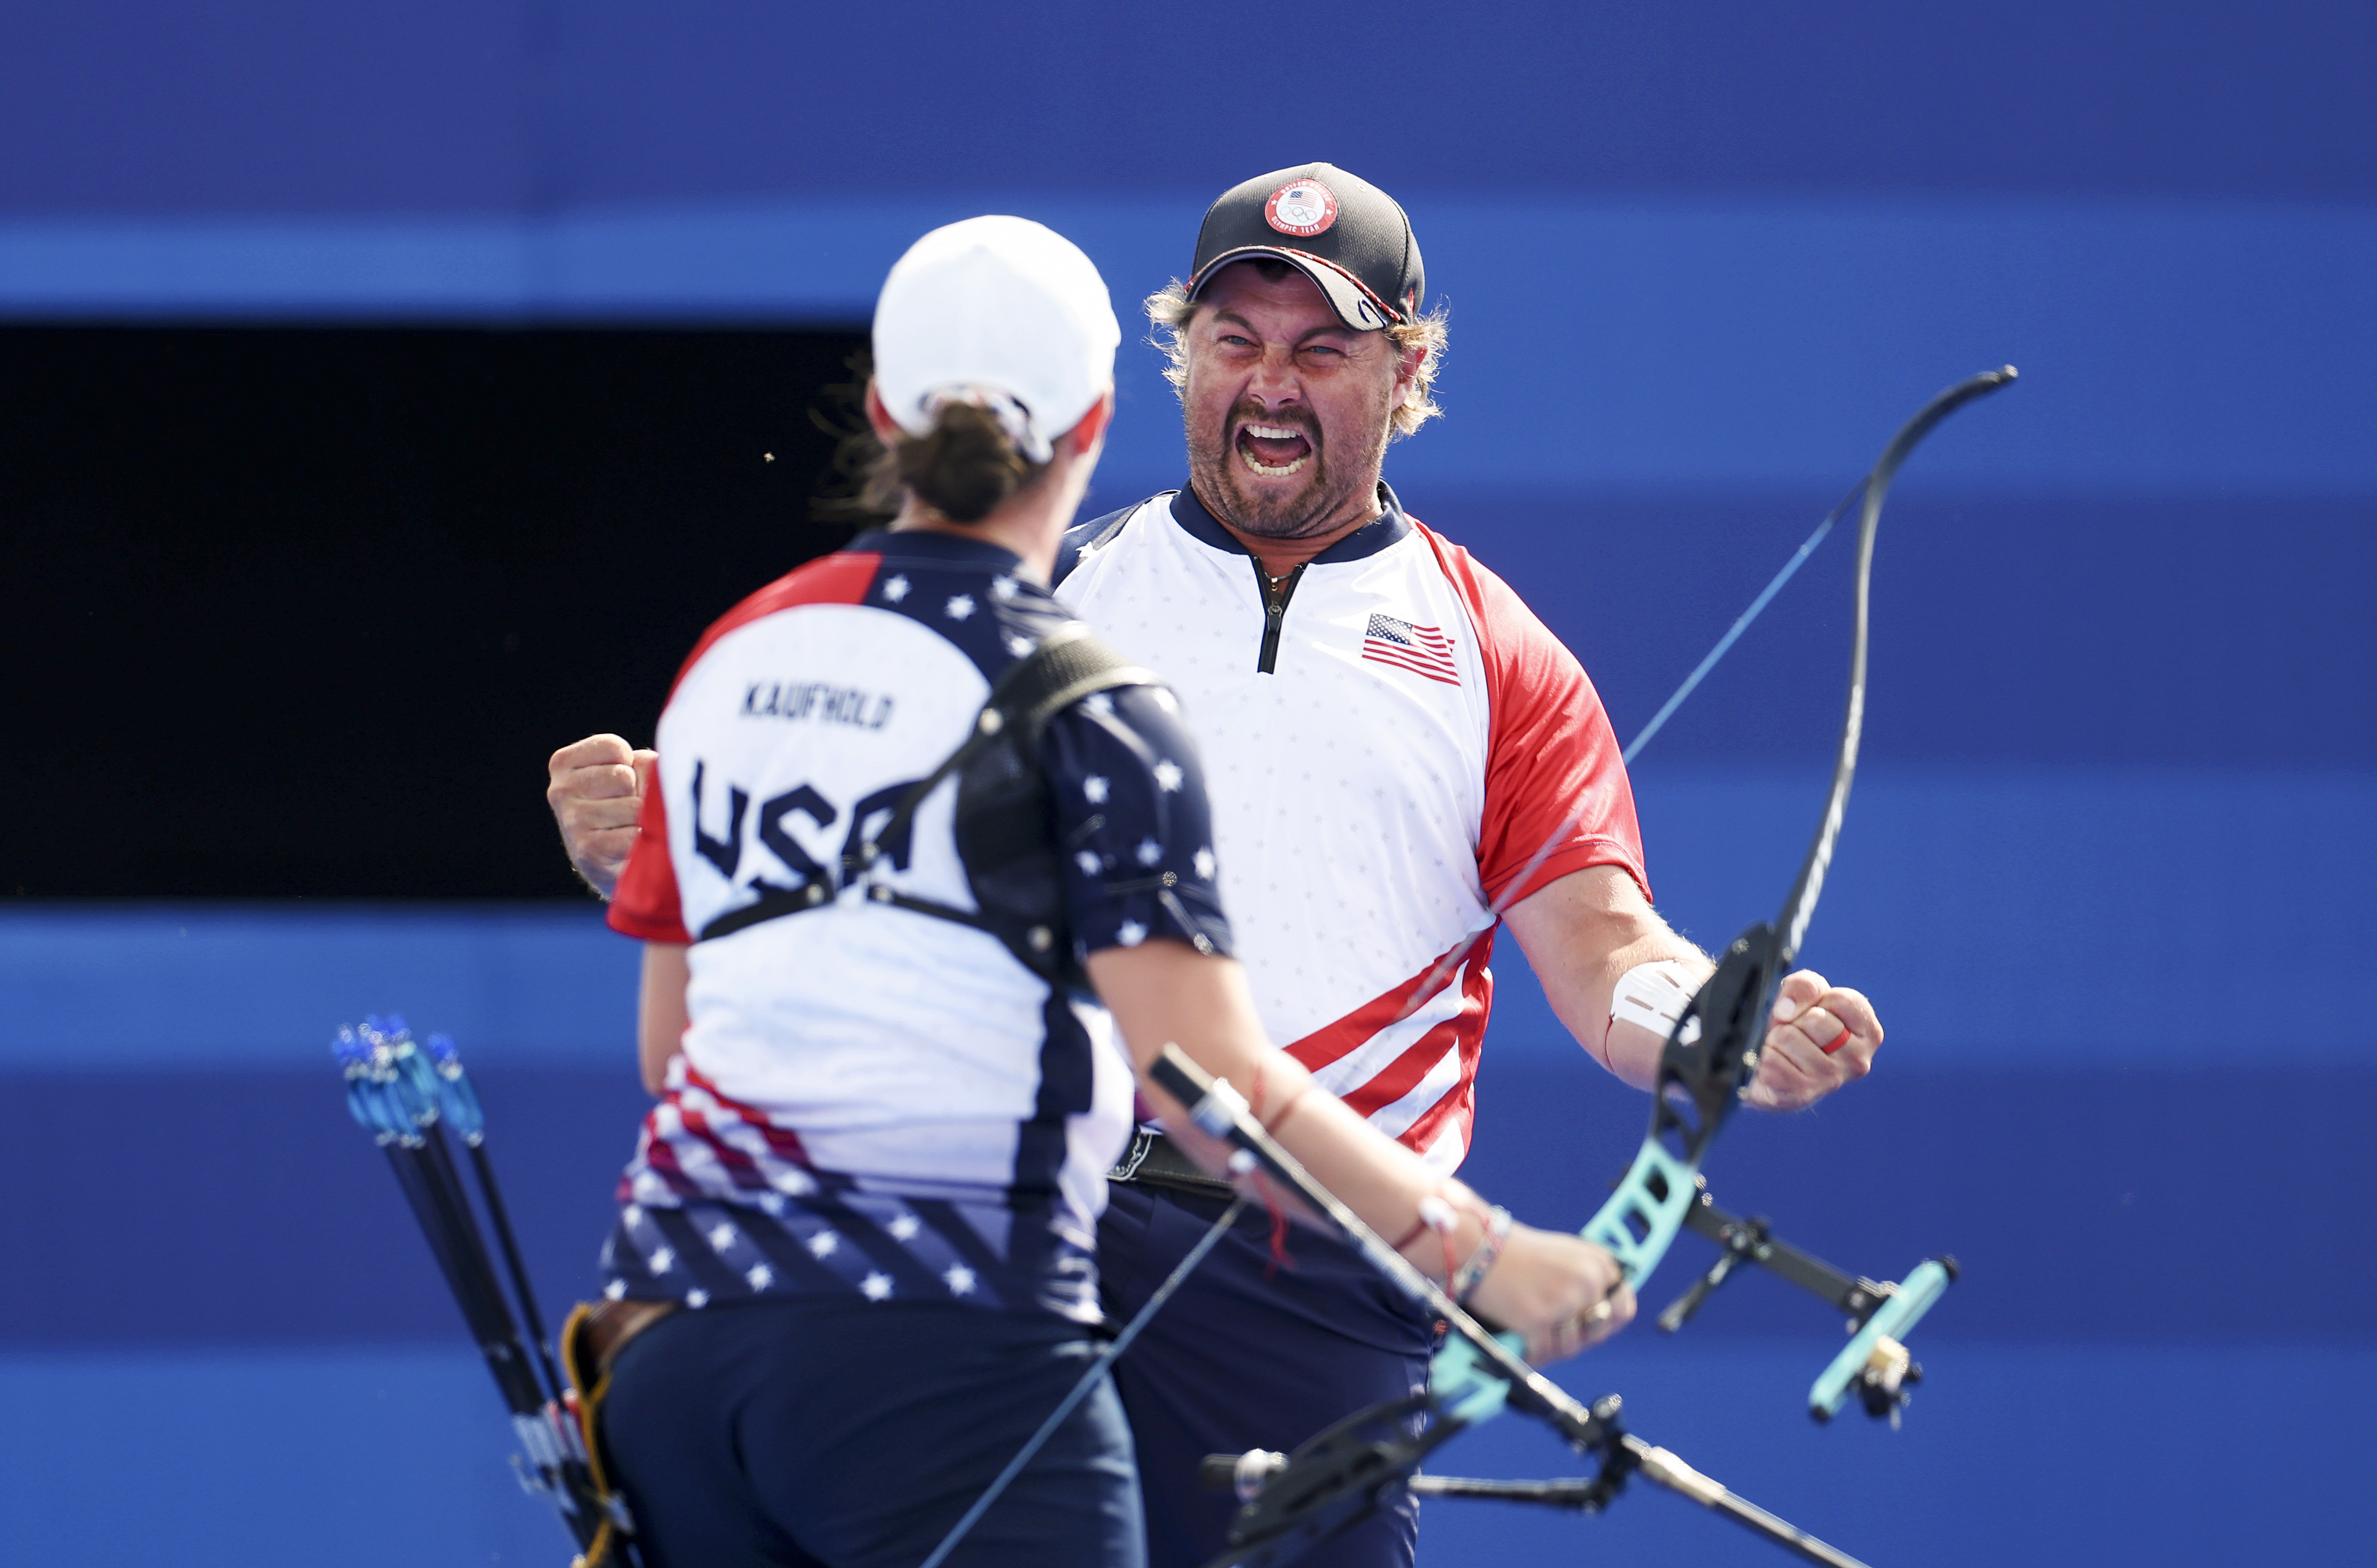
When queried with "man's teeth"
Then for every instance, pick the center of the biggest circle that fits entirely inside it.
(1275, 432)
(1259, 466)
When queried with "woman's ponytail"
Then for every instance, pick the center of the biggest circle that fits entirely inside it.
(964, 467)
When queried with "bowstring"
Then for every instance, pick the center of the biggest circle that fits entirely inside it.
(1081, 1387)
(1741, 624)
(1451, 963)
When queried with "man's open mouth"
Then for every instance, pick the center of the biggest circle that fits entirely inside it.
(1274, 451)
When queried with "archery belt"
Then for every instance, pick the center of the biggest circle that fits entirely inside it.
(1155, 1160)
(590, 1342)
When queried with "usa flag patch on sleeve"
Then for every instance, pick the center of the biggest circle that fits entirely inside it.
(1423, 650)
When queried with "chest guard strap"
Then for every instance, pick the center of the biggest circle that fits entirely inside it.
(1006, 819)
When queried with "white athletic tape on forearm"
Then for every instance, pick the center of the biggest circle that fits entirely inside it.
(1653, 995)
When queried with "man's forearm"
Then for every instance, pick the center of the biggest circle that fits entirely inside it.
(1581, 935)
(1584, 932)
(1627, 1048)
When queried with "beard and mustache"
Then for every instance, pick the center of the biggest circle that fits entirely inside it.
(1253, 503)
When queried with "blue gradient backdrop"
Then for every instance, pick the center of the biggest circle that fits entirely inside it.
(2104, 871)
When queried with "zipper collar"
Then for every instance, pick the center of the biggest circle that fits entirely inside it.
(1275, 592)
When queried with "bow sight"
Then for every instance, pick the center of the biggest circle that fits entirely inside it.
(1874, 1365)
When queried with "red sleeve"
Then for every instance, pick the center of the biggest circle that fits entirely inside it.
(645, 904)
(1551, 756)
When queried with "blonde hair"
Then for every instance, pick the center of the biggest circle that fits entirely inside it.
(1170, 308)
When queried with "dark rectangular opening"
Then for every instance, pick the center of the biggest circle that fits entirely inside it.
(300, 612)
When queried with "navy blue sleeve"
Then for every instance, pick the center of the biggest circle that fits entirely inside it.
(1088, 536)
(1132, 822)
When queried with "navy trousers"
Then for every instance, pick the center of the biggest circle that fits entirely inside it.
(1249, 1355)
(837, 1432)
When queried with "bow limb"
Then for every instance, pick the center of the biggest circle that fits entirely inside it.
(1799, 906)
(1713, 1049)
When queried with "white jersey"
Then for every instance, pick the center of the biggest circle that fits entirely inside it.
(851, 1067)
(1384, 756)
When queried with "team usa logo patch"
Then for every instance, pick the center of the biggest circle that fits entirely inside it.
(1423, 650)
(1302, 207)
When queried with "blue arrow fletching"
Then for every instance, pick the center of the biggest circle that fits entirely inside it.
(359, 1105)
(391, 1089)
(455, 1095)
(415, 1081)
(366, 1090)
(349, 1051)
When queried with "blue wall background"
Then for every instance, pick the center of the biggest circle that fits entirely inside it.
(2104, 871)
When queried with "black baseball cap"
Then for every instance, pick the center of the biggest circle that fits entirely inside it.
(1339, 230)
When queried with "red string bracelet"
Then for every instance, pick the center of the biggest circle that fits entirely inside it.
(1436, 1215)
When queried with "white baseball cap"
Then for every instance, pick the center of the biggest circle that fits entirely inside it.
(999, 311)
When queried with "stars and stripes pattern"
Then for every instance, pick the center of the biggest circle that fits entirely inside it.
(1406, 1060)
(701, 1142)
(782, 1159)
(877, 1246)
(721, 1203)
(1423, 650)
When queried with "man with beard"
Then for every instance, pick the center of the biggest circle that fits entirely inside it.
(1390, 737)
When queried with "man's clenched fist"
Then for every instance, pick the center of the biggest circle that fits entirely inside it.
(597, 792)
(1820, 1037)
